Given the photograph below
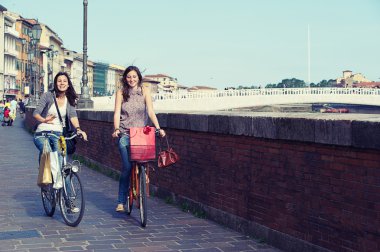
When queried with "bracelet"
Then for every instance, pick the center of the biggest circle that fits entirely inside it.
(78, 128)
(116, 129)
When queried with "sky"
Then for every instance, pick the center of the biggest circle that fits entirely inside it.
(220, 43)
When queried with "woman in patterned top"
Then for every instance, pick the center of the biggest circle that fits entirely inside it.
(133, 106)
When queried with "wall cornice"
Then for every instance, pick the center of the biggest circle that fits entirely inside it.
(355, 130)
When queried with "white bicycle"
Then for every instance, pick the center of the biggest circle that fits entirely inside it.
(70, 197)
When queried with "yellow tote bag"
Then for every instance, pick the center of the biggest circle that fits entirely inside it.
(44, 174)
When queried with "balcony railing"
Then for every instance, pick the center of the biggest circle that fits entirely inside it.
(11, 31)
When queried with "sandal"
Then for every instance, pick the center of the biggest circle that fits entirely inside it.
(120, 208)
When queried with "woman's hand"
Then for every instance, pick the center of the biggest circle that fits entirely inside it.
(162, 132)
(49, 119)
(116, 133)
(83, 134)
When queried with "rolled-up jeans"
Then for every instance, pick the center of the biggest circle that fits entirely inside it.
(125, 170)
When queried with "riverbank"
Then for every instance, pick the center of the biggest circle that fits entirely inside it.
(312, 108)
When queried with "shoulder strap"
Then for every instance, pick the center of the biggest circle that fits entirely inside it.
(59, 114)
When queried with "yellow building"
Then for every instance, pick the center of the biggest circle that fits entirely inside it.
(349, 79)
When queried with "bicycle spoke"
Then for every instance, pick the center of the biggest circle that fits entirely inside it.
(71, 200)
(48, 200)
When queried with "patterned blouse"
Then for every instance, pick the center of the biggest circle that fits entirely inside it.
(133, 112)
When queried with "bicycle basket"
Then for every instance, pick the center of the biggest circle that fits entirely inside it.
(142, 152)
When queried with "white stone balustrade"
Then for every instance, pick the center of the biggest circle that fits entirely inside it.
(228, 99)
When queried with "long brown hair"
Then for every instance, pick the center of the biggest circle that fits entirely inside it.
(125, 89)
(70, 93)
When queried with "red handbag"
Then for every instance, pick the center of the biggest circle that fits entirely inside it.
(167, 157)
(142, 144)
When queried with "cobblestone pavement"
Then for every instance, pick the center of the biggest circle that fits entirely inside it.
(25, 227)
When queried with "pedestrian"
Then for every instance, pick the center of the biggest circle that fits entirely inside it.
(133, 106)
(13, 108)
(47, 115)
(21, 105)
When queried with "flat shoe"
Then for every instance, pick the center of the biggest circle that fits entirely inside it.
(120, 208)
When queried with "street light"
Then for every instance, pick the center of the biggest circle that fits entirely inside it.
(33, 55)
(85, 101)
(51, 54)
(23, 74)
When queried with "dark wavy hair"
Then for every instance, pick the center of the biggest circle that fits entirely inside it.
(125, 83)
(70, 93)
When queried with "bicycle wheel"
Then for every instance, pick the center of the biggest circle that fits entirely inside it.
(71, 200)
(142, 195)
(130, 199)
(48, 199)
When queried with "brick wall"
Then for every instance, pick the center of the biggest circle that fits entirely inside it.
(300, 195)
(326, 195)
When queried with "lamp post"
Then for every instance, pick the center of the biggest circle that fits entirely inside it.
(51, 54)
(23, 69)
(85, 101)
(33, 55)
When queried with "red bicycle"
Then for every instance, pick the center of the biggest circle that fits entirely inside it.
(138, 190)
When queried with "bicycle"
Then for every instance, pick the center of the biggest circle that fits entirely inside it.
(138, 188)
(66, 197)
(138, 191)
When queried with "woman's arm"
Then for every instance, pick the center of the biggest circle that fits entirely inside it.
(117, 111)
(43, 102)
(151, 113)
(75, 122)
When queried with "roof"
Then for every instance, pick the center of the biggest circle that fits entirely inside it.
(201, 88)
(149, 80)
(2, 8)
(30, 21)
(367, 84)
(156, 75)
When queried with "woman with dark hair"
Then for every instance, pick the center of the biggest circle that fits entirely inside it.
(47, 117)
(133, 106)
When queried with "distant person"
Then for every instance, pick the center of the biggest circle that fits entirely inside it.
(133, 106)
(26, 100)
(7, 120)
(21, 105)
(13, 108)
(7, 103)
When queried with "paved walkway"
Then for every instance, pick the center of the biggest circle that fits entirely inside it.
(25, 227)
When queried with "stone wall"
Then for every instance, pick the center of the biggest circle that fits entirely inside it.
(302, 182)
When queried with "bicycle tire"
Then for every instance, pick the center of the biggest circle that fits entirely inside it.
(77, 196)
(142, 196)
(48, 200)
(131, 190)
(129, 200)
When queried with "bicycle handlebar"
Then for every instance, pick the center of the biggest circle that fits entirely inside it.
(120, 134)
(57, 137)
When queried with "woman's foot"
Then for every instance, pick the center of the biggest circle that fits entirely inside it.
(120, 208)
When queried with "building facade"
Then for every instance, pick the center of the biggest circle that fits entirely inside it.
(100, 78)
(166, 83)
(349, 79)
(11, 88)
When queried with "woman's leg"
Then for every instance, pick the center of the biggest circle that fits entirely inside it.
(39, 143)
(125, 170)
